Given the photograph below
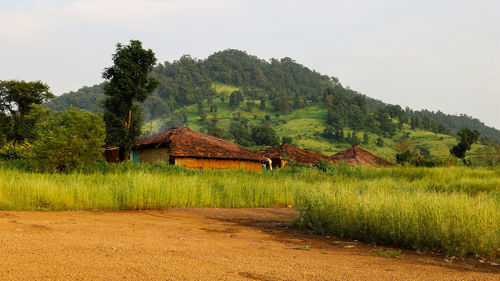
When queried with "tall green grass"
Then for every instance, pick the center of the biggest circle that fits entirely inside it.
(454, 209)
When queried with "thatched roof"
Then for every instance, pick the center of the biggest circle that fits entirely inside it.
(184, 142)
(294, 153)
(358, 156)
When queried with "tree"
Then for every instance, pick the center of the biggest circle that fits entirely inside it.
(16, 97)
(366, 138)
(68, 140)
(424, 151)
(406, 151)
(286, 140)
(490, 153)
(235, 99)
(264, 135)
(380, 142)
(155, 106)
(282, 104)
(127, 87)
(16, 100)
(212, 128)
(467, 138)
(404, 145)
(240, 134)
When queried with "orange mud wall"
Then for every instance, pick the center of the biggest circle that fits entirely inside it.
(218, 164)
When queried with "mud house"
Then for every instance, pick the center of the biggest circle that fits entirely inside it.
(358, 156)
(185, 147)
(280, 155)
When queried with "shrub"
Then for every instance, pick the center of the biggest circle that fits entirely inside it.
(68, 140)
(13, 151)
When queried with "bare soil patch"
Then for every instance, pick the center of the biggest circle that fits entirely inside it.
(201, 244)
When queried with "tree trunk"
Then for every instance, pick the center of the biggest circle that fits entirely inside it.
(121, 154)
(129, 119)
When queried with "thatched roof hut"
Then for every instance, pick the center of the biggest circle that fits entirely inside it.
(280, 155)
(183, 146)
(358, 156)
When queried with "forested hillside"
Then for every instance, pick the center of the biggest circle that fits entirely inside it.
(247, 84)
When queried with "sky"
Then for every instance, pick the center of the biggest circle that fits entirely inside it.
(437, 55)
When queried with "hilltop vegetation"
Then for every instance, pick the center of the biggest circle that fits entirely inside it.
(316, 110)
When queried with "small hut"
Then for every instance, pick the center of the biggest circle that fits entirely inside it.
(358, 156)
(185, 147)
(112, 154)
(281, 154)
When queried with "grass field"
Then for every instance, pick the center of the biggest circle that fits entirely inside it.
(305, 126)
(455, 210)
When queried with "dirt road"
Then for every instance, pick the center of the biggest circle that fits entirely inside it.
(198, 244)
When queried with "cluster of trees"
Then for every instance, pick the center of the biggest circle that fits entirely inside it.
(347, 108)
(409, 153)
(73, 139)
(284, 84)
(456, 122)
(51, 141)
(426, 123)
(336, 134)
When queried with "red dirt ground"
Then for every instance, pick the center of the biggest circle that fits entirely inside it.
(200, 244)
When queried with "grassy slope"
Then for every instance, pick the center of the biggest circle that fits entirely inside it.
(305, 125)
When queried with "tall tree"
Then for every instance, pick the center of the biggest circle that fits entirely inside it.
(127, 87)
(467, 138)
(16, 100)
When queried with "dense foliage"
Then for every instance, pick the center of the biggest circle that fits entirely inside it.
(87, 98)
(467, 138)
(68, 140)
(127, 87)
(17, 99)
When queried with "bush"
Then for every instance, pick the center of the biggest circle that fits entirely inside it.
(286, 140)
(13, 151)
(264, 135)
(68, 140)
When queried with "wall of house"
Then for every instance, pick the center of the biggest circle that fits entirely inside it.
(218, 164)
(154, 155)
(279, 163)
(112, 155)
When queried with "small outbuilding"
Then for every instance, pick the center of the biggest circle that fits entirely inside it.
(185, 147)
(112, 154)
(358, 156)
(281, 154)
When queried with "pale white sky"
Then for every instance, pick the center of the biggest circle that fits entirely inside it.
(440, 54)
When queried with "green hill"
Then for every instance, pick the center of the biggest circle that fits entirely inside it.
(305, 126)
(298, 102)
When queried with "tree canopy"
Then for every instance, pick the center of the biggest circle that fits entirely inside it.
(127, 87)
(16, 101)
(466, 139)
(67, 141)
